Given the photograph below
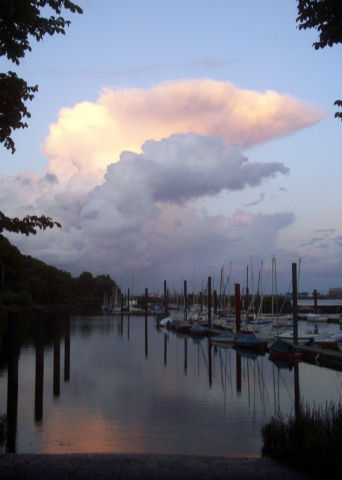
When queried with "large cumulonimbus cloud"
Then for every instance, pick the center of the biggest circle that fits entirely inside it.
(143, 219)
(90, 136)
(125, 173)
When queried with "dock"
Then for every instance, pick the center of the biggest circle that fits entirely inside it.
(321, 357)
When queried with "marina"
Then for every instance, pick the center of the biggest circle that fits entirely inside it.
(121, 384)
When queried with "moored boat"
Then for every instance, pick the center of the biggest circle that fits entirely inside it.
(250, 341)
(282, 350)
(224, 338)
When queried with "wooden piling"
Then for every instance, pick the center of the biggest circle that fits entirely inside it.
(209, 302)
(215, 301)
(146, 300)
(185, 301)
(315, 301)
(165, 299)
(128, 300)
(237, 308)
(294, 303)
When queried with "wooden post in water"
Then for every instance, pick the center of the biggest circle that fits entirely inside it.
(185, 301)
(315, 301)
(165, 299)
(209, 301)
(237, 308)
(294, 303)
(247, 291)
(146, 301)
(128, 300)
(215, 301)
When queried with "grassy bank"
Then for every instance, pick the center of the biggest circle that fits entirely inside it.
(310, 441)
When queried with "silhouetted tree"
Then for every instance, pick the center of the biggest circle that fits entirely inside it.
(326, 17)
(19, 21)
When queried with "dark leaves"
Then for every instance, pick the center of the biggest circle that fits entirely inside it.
(28, 225)
(20, 20)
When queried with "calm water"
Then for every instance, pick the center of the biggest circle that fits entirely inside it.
(130, 387)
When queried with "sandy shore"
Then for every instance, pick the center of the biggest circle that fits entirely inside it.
(150, 467)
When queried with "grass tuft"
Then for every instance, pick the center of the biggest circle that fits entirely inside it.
(310, 441)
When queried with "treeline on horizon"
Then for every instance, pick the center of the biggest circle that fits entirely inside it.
(28, 282)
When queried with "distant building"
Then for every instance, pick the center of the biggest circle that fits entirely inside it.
(335, 292)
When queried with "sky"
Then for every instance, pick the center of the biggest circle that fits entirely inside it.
(174, 138)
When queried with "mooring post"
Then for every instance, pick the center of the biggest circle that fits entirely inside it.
(315, 301)
(209, 301)
(165, 299)
(237, 308)
(185, 301)
(215, 301)
(128, 300)
(294, 303)
(146, 300)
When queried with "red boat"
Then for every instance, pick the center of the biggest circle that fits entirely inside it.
(282, 350)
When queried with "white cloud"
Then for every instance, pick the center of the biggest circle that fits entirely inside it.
(125, 173)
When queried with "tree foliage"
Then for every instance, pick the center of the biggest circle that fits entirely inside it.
(27, 281)
(28, 225)
(20, 21)
(326, 17)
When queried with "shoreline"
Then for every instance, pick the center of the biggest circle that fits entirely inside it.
(141, 466)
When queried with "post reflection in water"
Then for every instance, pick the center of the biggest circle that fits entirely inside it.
(67, 349)
(39, 377)
(296, 389)
(238, 372)
(12, 381)
(146, 337)
(185, 355)
(56, 355)
(210, 365)
(203, 392)
(165, 348)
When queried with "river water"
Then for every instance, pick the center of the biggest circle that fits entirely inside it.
(120, 385)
